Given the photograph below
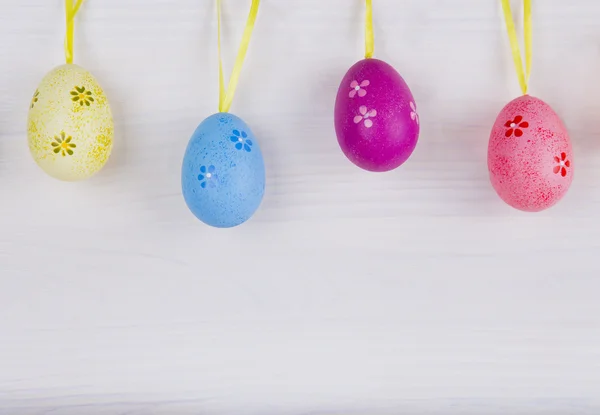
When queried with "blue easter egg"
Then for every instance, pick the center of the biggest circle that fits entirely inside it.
(223, 172)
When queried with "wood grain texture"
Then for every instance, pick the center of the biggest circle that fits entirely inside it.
(416, 291)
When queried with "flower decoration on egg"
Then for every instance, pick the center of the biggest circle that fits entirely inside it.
(241, 140)
(413, 112)
(83, 96)
(365, 115)
(358, 88)
(515, 126)
(63, 144)
(35, 97)
(563, 164)
(207, 177)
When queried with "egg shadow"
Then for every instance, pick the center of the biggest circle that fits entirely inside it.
(161, 200)
(581, 119)
(265, 44)
(299, 137)
(578, 107)
(455, 119)
(472, 124)
(119, 156)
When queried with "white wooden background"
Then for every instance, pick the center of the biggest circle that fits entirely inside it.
(412, 292)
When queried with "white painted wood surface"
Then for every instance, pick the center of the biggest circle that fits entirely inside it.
(412, 292)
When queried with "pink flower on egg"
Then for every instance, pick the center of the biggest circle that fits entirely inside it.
(358, 88)
(563, 164)
(365, 115)
(413, 113)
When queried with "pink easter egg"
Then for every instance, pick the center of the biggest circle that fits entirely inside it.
(530, 158)
(376, 118)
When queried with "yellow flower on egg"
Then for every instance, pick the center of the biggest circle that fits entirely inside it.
(81, 95)
(63, 144)
(34, 99)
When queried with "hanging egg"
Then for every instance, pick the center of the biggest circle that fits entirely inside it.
(70, 125)
(223, 173)
(530, 158)
(376, 118)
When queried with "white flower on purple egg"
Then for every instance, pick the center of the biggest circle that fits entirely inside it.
(413, 113)
(358, 88)
(365, 115)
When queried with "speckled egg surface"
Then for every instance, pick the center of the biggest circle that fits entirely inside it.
(70, 126)
(376, 120)
(223, 173)
(530, 158)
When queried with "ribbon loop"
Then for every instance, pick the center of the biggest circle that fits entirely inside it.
(523, 75)
(226, 95)
(71, 10)
(369, 37)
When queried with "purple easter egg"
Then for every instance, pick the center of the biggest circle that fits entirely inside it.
(376, 118)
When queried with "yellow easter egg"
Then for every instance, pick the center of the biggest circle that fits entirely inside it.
(70, 126)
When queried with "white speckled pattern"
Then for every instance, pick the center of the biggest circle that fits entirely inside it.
(70, 126)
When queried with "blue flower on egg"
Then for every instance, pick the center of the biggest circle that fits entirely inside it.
(241, 140)
(208, 177)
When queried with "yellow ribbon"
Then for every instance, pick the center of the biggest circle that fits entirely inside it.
(523, 75)
(226, 96)
(369, 37)
(70, 12)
